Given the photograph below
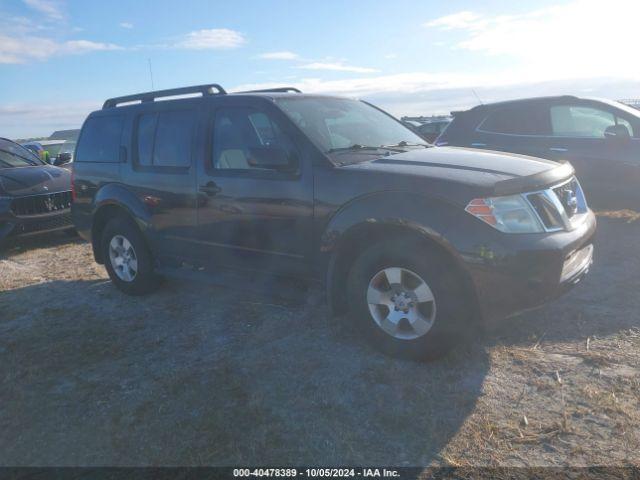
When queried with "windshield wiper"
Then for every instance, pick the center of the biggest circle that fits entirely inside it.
(404, 143)
(357, 147)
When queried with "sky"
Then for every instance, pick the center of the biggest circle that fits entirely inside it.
(60, 59)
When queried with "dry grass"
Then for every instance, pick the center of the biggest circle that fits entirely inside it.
(207, 376)
(627, 215)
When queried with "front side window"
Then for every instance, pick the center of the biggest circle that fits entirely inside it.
(578, 121)
(334, 123)
(100, 140)
(248, 139)
(164, 138)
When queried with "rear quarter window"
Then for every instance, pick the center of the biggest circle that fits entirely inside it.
(100, 140)
(522, 120)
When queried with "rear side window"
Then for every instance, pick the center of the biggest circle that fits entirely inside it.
(516, 121)
(579, 121)
(164, 138)
(100, 140)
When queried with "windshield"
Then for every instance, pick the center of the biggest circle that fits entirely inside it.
(68, 147)
(14, 155)
(336, 123)
(55, 148)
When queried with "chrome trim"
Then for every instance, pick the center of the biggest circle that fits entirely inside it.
(549, 193)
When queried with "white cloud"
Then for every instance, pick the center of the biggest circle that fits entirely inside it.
(212, 39)
(464, 19)
(284, 55)
(48, 8)
(335, 66)
(25, 120)
(125, 25)
(582, 38)
(22, 49)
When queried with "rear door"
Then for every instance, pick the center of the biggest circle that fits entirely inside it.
(162, 174)
(518, 128)
(253, 214)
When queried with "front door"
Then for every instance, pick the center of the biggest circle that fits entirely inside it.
(255, 191)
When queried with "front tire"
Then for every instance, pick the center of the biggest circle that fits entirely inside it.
(127, 258)
(408, 300)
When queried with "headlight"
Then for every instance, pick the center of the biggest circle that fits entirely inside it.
(509, 214)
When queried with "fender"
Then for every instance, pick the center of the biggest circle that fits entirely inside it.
(427, 216)
(118, 195)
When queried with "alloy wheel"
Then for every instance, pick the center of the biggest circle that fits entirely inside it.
(401, 303)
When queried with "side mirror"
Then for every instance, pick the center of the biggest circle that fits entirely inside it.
(272, 158)
(617, 132)
(62, 158)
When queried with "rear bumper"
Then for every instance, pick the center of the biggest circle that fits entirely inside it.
(514, 273)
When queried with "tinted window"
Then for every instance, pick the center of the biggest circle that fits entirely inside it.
(164, 138)
(146, 134)
(515, 121)
(579, 121)
(242, 134)
(173, 139)
(100, 140)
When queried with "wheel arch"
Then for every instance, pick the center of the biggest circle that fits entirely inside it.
(110, 202)
(422, 220)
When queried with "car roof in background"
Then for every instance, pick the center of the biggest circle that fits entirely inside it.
(548, 99)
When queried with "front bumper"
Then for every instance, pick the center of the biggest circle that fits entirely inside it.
(514, 273)
(15, 226)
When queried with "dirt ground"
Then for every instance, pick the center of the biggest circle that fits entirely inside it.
(200, 375)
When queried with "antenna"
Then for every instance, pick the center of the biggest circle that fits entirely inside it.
(150, 73)
(476, 95)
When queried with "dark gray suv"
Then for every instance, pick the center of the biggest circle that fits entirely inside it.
(419, 244)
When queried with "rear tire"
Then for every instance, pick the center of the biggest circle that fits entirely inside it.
(127, 258)
(408, 300)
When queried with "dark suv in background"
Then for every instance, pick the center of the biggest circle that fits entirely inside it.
(419, 244)
(600, 138)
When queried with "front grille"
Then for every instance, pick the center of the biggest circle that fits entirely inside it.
(39, 204)
(56, 222)
(557, 206)
(547, 210)
(568, 196)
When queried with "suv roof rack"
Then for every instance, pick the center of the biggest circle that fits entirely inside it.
(205, 90)
(274, 90)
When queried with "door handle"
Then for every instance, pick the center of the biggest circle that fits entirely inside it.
(559, 149)
(210, 189)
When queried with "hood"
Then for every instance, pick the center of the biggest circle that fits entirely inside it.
(34, 180)
(479, 168)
